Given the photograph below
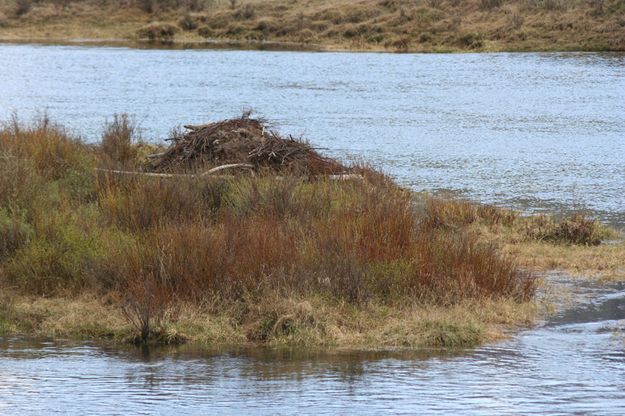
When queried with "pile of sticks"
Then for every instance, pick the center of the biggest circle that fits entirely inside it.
(244, 141)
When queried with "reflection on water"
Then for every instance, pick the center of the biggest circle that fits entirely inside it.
(539, 131)
(573, 363)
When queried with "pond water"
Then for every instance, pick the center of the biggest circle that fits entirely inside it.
(574, 363)
(535, 131)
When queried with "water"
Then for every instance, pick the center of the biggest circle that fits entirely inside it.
(534, 131)
(574, 363)
(539, 132)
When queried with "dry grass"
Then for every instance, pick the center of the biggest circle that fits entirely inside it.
(307, 322)
(83, 317)
(604, 262)
(575, 244)
(400, 25)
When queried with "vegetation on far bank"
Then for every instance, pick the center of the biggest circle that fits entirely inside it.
(297, 259)
(394, 25)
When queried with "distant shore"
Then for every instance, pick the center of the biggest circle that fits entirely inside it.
(245, 45)
(339, 25)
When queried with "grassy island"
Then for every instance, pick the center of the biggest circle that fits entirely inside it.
(375, 25)
(132, 241)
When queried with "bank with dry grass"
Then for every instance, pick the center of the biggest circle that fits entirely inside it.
(393, 25)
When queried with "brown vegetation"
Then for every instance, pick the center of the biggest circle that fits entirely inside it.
(253, 251)
(290, 259)
(399, 25)
(157, 31)
(576, 244)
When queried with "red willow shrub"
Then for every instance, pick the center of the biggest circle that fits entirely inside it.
(367, 243)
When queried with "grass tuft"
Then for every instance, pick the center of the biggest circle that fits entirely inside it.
(575, 229)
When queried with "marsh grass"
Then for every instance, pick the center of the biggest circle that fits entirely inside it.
(255, 249)
(577, 228)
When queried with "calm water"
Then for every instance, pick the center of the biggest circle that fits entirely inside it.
(572, 364)
(533, 131)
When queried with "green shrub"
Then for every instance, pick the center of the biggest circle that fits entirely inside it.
(22, 7)
(205, 32)
(551, 5)
(4, 22)
(59, 258)
(490, 4)
(375, 38)
(246, 12)
(20, 185)
(187, 23)
(266, 26)
(424, 37)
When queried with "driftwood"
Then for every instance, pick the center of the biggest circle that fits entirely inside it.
(178, 175)
(213, 171)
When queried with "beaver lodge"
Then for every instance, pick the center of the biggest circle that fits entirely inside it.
(241, 144)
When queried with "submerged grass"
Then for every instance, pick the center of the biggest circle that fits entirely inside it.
(241, 259)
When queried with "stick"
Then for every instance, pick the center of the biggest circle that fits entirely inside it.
(128, 172)
(178, 175)
(340, 177)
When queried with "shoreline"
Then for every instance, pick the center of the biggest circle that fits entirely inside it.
(331, 25)
(92, 318)
(372, 327)
(273, 46)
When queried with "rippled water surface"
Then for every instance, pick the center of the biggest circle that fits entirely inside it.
(572, 364)
(534, 131)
